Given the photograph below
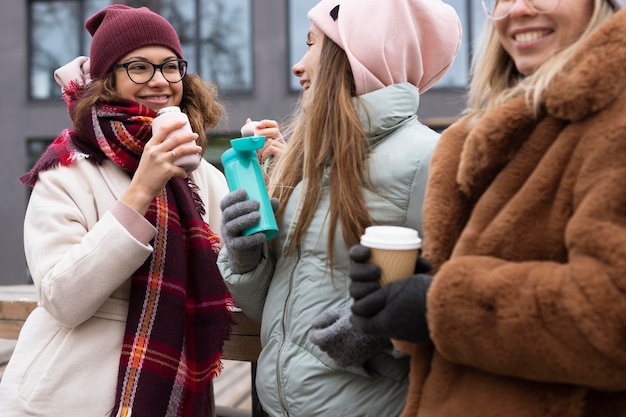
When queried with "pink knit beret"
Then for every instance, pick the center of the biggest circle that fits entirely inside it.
(120, 29)
(389, 42)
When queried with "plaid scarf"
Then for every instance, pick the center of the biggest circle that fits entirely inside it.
(178, 315)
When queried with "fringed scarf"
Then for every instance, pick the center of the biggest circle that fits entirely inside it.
(179, 314)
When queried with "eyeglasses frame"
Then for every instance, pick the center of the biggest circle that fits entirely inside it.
(181, 62)
(528, 2)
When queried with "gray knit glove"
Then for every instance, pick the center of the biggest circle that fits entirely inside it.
(239, 213)
(333, 332)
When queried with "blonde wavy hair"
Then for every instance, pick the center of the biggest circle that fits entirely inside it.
(326, 136)
(495, 80)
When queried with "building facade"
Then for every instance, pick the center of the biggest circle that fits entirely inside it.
(261, 39)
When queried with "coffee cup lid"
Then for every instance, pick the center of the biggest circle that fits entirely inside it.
(391, 237)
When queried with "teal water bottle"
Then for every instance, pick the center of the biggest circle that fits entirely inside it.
(242, 170)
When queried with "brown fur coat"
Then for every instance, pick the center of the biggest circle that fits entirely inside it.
(525, 223)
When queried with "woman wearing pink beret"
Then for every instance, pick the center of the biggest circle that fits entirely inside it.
(357, 155)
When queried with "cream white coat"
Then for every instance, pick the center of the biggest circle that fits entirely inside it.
(81, 257)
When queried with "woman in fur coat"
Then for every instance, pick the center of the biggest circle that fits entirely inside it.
(523, 313)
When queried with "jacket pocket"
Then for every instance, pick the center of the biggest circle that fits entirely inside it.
(40, 349)
(387, 366)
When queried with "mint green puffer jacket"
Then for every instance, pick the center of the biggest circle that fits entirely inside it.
(285, 293)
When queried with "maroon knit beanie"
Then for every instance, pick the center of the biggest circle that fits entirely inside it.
(120, 29)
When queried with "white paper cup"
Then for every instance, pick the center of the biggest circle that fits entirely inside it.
(249, 129)
(395, 249)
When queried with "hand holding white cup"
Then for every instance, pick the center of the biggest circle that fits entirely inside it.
(172, 113)
(394, 249)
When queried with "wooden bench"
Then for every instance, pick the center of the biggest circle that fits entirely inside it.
(18, 301)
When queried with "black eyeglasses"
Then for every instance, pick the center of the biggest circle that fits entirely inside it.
(140, 72)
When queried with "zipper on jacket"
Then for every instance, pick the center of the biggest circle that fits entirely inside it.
(281, 397)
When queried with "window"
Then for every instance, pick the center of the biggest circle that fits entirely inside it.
(298, 28)
(35, 148)
(469, 12)
(215, 36)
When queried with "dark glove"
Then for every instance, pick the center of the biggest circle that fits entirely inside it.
(365, 276)
(239, 213)
(333, 332)
(397, 310)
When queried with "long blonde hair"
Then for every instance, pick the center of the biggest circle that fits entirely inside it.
(199, 101)
(495, 80)
(326, 137)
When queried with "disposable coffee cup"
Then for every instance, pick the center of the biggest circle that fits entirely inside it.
(394, 249)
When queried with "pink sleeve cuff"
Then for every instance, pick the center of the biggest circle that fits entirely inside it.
(135, 223)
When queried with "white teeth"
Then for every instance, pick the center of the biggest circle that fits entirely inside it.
(529, 36)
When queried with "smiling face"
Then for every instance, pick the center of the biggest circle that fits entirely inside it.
(156, 93)
(531, 38)
(306, 68)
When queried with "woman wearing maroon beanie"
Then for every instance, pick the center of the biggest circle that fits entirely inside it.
(119, 239)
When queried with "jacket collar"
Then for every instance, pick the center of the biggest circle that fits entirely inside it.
(383, 111)
(589, 82)
(595, 76)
